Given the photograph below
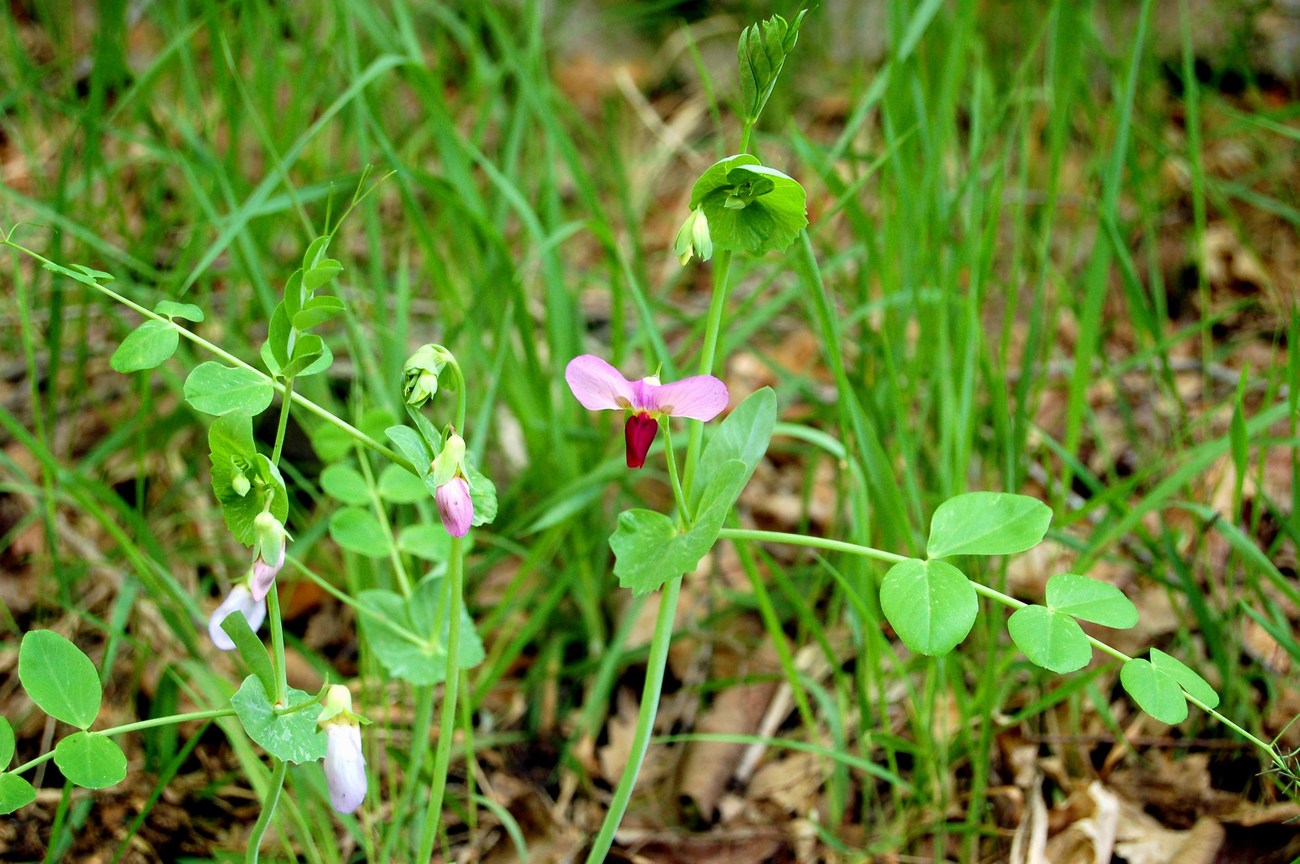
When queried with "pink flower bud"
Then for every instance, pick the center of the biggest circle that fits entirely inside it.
(269, 544)
(455, 506)
(345, 766)
(240, 599)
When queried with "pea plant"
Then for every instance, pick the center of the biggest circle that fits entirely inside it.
(420, 630)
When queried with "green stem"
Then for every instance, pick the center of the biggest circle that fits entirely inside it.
(814, 542)
(169, 720)
(654, 680)
(285, 402)
(348, 600)
(299, 400)
(277, 647)
(708, 354)
(411, 782)
(447, 721)
(268, 809)
(385, 525)
(685, 515)
(748, 132)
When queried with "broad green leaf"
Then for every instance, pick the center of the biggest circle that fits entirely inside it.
(172, 309)
(241, 511)
(317, 311)
(6, 743)
(483, 492)
(233, 455)
(330, 442)
(1050, 639)
(316, 251)
(294, 296)
(375, 422)
(412, 445)
(250, 648)
(987, 523)
(279, 333)
(1194, 684)
(930, 604)
(90, 760)
(323, 361)
(750, 207)
(648, 548)
(219, 390)
(268, 359)
(145, 347)
(359, 531)
(325, 270)
(291, 737)
(714, 177)
(1092, 600)
(307, 351)
(15, 792)
(743, 435)
(647, 551)
(423, 540)
(1157, 694)
(410, 639)
(59, 678)
(400, 486)
(345, 483)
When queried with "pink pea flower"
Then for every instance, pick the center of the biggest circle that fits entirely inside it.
(240, 599)
(270, 554)
(455, 506)
(345, 765)
(600, 387)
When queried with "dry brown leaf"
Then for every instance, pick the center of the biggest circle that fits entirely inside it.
(792, 782)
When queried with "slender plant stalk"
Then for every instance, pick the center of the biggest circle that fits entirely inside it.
(268, 809)
(285, 402)
(656, 664)
(658, 659)
(447, 720)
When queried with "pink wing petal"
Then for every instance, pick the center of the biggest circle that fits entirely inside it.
(700, 397)
(598, 385)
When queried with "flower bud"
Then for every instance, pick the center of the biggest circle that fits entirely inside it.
(450, 460)
(455, 506)
(345, 766)
(693, 238)
(238, 482)
(269, 541)
(240, 599)
(420, 374)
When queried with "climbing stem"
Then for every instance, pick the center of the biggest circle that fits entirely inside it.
(285, 401)
(269, 802)
(708, 356)
(813, 542)
(655, 666)
(299, 400)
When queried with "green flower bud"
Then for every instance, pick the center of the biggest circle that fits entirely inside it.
(420, 374)
(693, 238)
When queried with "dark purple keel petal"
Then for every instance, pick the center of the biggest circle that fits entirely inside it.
(640, 433)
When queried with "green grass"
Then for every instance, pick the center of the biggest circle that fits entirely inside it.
(982, 279)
